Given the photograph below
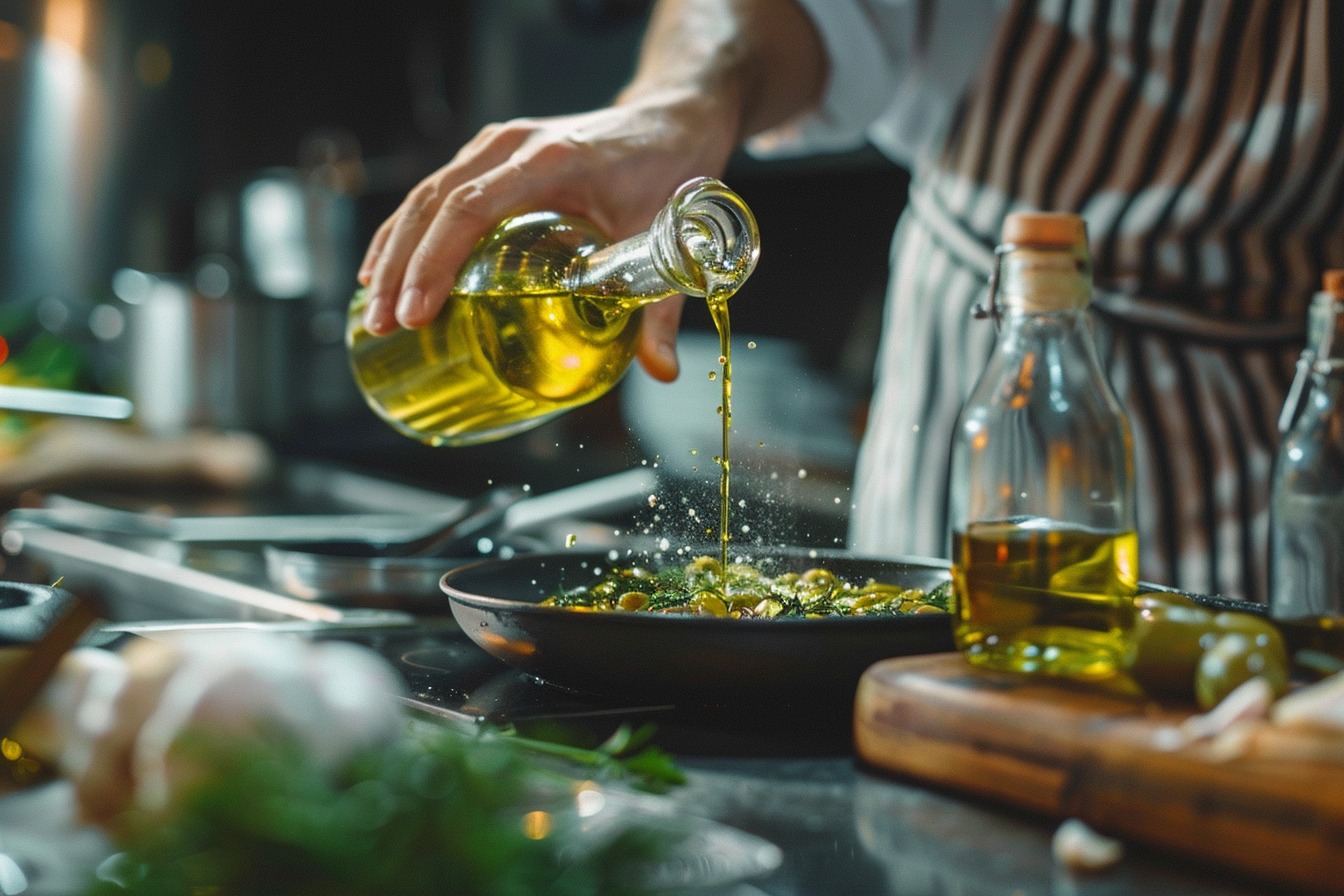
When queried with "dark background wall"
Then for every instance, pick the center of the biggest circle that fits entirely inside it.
(191, 100)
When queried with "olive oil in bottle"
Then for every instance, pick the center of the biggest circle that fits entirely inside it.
(545, 317)
(1037, 595)
(1045, 550)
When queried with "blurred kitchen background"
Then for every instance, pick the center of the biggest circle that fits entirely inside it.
(186, 189)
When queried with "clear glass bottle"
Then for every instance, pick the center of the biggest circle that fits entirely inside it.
(1042, 512)
(545, 317)
(1306, 575)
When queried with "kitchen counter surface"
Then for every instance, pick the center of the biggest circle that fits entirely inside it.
(842, 828)
(842, 832)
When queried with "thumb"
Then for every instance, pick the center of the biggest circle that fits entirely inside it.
(658, 339)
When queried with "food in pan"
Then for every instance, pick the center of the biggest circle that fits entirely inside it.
(746, 591)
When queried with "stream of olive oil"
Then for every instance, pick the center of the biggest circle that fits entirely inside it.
(718, 310)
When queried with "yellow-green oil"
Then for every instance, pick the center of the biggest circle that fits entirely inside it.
(493, 363)
(1037, 596)
(522, 347)
(718, 310)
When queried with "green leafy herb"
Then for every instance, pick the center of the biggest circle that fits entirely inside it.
(438, 812)
(746, 591)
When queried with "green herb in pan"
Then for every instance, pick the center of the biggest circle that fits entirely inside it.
(744, 591)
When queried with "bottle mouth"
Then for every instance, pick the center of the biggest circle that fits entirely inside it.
(1036, 279)
(711, 243)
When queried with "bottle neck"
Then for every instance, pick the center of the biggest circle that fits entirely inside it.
(704, 242)
(1325, 327)
(1042, 280)
(1324, 348)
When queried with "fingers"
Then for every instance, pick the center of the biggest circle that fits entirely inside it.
(657, 350)
(413, 258)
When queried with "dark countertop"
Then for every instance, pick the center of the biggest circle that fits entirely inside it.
(841, 828)
(842, 831)
(846, 832)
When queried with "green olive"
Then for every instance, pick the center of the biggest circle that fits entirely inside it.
(633, 600)
(768, 608)
(702, 566)
(1257, 627)
(1235, 658)
(707, 603)
(872, 598)
(1169, 639)
(742, 600)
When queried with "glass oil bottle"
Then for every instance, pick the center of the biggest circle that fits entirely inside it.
(1306, 575)
(545, 317)
(1043, 525)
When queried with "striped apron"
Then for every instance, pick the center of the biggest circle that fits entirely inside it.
(1205, 148)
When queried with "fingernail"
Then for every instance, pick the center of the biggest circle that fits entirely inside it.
(411, 305)
(373, 313)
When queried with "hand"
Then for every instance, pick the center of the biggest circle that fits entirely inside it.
(616, 167)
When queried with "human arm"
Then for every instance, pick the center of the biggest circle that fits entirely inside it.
(710, 74)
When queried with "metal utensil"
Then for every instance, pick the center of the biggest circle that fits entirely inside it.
(457, 537)
(412, 582)
(94, 519)
(64, 402)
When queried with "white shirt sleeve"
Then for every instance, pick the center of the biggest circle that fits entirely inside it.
(897, 69)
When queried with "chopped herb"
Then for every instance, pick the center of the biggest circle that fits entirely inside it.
(440, 811)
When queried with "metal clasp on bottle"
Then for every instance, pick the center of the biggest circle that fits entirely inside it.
(990, 307)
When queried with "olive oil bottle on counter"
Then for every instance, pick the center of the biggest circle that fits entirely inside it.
(1306, 572)
(1044, 540)
(545, 317)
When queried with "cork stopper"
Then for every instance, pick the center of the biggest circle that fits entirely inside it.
(1333, 282)
(1045, 229)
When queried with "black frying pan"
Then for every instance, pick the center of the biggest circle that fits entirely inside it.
(689, 660)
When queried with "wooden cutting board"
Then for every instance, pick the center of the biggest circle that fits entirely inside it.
(1071, 752)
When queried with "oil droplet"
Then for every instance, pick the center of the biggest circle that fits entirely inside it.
(802, 474)
(751, 344)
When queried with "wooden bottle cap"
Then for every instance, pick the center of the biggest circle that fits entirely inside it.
(1333, 282)
(1060, 229)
